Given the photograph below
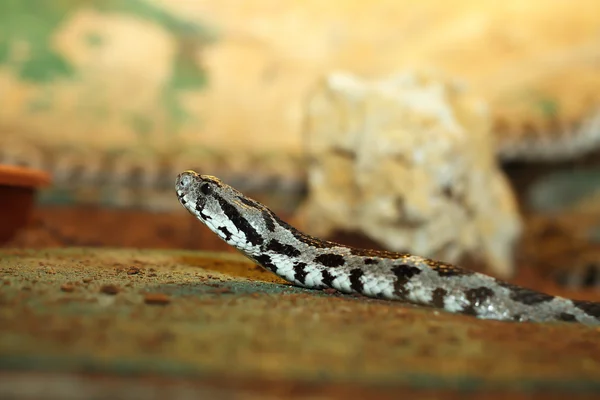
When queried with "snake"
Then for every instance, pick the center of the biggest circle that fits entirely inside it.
(313, 263)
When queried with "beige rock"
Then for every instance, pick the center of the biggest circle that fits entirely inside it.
(408, 161)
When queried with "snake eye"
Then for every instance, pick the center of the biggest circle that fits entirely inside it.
(205, 189)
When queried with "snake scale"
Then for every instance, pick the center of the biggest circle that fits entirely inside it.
(310, 262)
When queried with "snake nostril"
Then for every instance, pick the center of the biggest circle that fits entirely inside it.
(183, 180)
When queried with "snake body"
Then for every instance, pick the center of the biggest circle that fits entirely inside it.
(306, 261)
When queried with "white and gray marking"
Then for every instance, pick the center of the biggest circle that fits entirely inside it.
(313, 263)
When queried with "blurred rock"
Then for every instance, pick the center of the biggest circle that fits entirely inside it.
(408, 161)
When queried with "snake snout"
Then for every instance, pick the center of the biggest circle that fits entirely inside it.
(185, 180)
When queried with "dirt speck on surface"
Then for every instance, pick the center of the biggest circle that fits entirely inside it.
(67, 287)
(156, 299)
(109, 289)
(133, 271)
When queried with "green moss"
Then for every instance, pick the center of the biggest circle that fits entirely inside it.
(4, 51)
(548, 107)
(186, 74)
(141, 124)
(151, 12)
(44, 66)
(94, 39)
(32, 24)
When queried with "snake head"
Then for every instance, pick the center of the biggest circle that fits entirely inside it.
(214, 202)
(200, 194)
(239, 220)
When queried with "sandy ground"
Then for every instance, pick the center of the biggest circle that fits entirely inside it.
(177, 323)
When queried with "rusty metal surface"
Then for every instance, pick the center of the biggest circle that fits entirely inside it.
(211, 317)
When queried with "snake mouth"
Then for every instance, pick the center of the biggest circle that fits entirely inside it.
(181, 198)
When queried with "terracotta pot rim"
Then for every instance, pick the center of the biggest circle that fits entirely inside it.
(13, 175)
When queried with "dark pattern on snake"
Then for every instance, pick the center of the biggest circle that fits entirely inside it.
(310, 262)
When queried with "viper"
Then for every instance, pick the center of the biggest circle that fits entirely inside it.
(304, 260)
